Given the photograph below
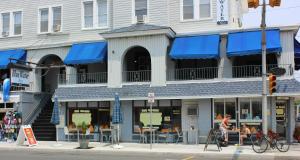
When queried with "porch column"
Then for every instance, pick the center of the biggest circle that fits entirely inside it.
(71, 75)
(291, 119)
(36, 79)
(225, 64)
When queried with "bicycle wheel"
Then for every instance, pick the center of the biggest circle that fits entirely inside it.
(282, 145)
(260, 145)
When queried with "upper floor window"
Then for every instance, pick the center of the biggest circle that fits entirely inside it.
(11, 23)
(50, 19)
(141, 8)
(195, 9)
(95, 14)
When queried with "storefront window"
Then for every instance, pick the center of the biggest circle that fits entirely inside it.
(230, 109)
(245, 109)
(163, 117)
(256, 110)
(223, 107)
(219, 110)
(96, 114)
(251, 113)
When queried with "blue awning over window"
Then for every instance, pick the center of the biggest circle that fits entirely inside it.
(249, 43)
(86, 53)
(297, 49)
(5, 56)
(196, 47)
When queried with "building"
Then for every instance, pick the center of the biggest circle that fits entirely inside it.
(191, 53)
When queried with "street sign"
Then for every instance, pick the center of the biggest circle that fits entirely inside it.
(278, 71)
(151, 97)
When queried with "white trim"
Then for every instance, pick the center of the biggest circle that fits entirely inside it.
(50, 18)
(95, 16)
(11, 23)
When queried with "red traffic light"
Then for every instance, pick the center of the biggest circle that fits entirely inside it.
(272, 84)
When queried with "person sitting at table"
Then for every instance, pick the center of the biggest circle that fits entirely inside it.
(245, 132)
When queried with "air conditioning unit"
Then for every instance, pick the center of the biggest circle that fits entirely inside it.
(57, 28)
(141, 19)
(5, 34)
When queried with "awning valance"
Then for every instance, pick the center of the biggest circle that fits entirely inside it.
(6, 55)
(249, 43)
(196, 47)
(297, 49)
(86, 53)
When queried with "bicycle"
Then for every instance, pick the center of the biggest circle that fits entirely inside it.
(261, 142)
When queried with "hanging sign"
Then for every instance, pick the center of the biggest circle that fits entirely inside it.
(26, 133)
(222, 12)
(151, 98)
(19, 76)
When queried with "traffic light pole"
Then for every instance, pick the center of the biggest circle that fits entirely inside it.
(264, 70)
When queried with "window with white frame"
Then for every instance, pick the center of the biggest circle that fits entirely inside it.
(95, 14)
(195, 9)
(50, 19)
(141, 7)
(11, 23)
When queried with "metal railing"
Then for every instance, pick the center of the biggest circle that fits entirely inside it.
(248, 71)
(82, 78)
(137, 76)
(192, 73)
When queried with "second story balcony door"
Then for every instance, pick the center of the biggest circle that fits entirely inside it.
(137, 65)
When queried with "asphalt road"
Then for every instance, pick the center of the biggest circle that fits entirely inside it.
(83, 155)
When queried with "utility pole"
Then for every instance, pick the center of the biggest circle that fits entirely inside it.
(264, 70)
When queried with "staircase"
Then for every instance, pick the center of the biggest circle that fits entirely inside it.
(43, 129)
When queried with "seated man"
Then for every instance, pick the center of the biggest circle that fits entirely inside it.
(245, 132)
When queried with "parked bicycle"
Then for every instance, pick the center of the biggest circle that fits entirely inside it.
(261, 142)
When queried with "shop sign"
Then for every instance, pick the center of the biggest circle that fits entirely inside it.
(26, 132)
(222, 12)
(19, 76)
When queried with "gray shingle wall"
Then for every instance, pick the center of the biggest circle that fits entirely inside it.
(288, 86)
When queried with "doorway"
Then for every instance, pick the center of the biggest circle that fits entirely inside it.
(281, 118)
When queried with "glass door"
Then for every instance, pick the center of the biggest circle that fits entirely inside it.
(281, 118)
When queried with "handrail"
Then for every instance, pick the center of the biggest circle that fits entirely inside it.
(38, 108)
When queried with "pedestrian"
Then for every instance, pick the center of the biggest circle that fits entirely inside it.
(224, 128)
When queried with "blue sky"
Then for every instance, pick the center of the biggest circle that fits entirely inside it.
(287, 14)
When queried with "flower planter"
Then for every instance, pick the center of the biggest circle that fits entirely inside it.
(84, 142)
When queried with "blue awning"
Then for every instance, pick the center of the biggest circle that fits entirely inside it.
(86, 53)
(249, 43)
(297, 49)
(196, 47)
(5, 56)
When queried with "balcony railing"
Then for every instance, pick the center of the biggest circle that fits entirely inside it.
(192, 74)
(82, 78)
(248, 71)
(137, 76)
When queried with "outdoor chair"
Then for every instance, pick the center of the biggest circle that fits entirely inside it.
(67, 133)
(179, 135)
(163, 135)
(143, 137)
(103, 136)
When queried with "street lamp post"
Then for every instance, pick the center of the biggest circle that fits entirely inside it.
(264, 70)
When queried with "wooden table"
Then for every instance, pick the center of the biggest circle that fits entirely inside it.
(148, 131)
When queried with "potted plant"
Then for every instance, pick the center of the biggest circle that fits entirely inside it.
(84, 138)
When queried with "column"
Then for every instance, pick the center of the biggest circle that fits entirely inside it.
(225, 64)
(71, 75)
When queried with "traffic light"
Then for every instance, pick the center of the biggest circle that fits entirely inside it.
(253, 3)
(274, 3)
(272, 84)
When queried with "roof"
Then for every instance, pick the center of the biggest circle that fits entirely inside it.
(176, 91)
(138, 30)
(136, 27)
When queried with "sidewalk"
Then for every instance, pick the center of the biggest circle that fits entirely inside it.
(157, 148)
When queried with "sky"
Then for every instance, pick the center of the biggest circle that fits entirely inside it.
(287, 14)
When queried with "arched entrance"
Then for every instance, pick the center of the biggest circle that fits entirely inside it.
(50, 69)
(137, 65)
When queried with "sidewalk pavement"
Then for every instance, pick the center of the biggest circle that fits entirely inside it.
(157, 148)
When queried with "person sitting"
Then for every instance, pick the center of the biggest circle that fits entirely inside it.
(245, 133)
